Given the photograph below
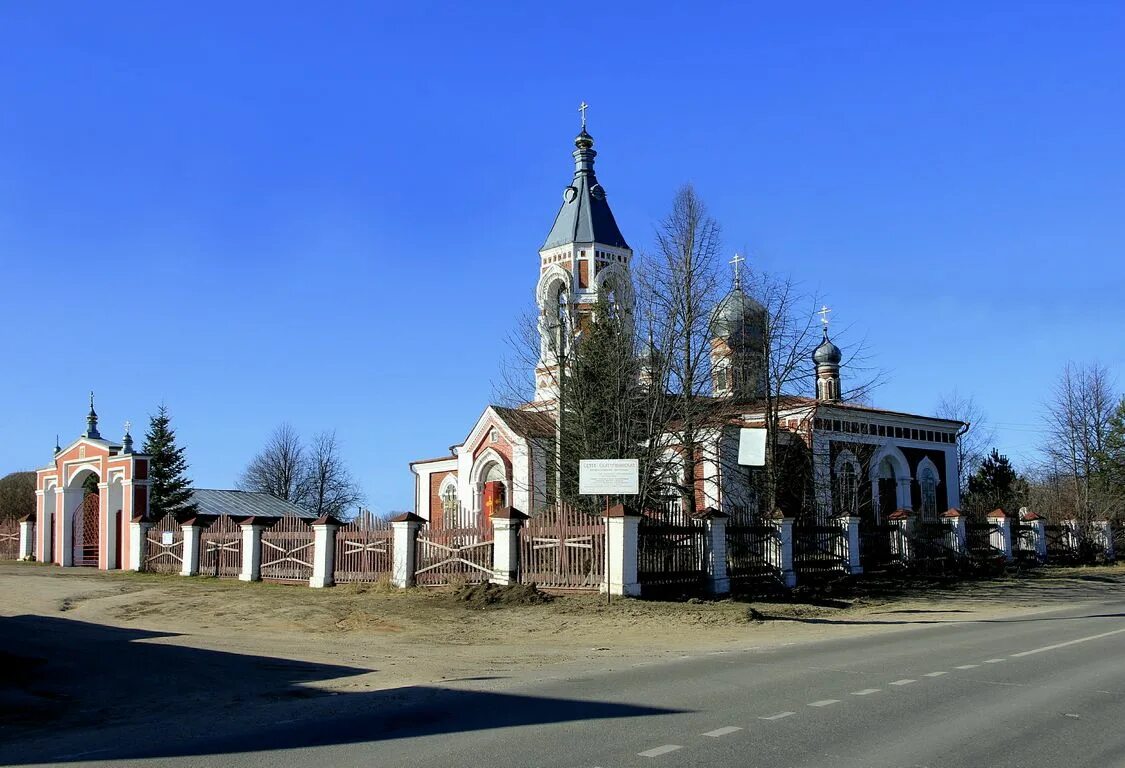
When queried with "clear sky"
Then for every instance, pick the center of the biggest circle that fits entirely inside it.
(329, 213)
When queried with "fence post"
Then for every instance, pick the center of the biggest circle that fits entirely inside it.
(782, 558)
(251, 550)
(715, 554)
(324, 551)
(191, 528)
(1039, 525)
(1001, 537)
(958, 535)
(622, 531)
(506, 524)
(27, 536)
(850, 526)
(406, 527)
(901, 544)
(1104, 531)
(138, 533)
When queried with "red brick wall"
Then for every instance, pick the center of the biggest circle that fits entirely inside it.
(437, 515)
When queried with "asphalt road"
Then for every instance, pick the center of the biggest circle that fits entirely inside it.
(1040, 690)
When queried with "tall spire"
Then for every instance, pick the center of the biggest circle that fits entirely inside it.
(92, 421)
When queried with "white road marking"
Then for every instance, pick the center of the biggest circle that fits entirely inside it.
(967, 666)
(935, 674)
(726, 730)
(904, 681)
(661, 750)
(865, 692)
(994, 661)
(824, 702)
(778, 716)
(1068, 642)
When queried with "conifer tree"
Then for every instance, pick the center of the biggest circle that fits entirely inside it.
(170, 488)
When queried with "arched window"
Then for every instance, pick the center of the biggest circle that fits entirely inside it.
(849, 489)
(928, 482)
(449, 503)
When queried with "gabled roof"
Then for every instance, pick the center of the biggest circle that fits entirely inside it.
(585, 216)
(245, 504)
(526, 423)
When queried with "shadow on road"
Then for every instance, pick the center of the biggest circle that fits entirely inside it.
(72, 690)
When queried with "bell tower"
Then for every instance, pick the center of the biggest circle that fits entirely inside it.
(584, 258)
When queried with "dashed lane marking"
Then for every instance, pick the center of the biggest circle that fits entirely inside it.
(661, 750)
(726, 730)
(824, 703)
(865, 692)
(967, 666)
(904, 681)
(994, 661)
(1068, 642)
(935, 674)
(778, 716)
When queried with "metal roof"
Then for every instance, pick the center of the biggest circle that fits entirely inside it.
(245, 504)
(585, 216)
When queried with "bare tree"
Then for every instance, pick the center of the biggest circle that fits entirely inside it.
(976, 438)
(331, 488)
(280, 469)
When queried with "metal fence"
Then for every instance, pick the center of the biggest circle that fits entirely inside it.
(670, 549)
(819, 550)
(563, 548)
(453, 555)
(287, 550)
(220, 548)
(979, 540)
(1062, 545)
(9, 540)
(364, 551)
(753, 550)
(876, 549)
(164, 546)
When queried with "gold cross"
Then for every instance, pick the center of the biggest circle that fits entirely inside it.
(582, 108)
(824, 312)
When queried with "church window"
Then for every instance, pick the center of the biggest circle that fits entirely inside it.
(848, 489)
(494, 436)
(929, 493)
(449, 503)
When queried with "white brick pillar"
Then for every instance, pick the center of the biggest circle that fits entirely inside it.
(324, 552)
(251, 550)
(506, 525)
(781, 556)
(1039, 528)
(958, 534)
(1001, 535)
(1103, 535)
(622, 534)
(192, 529)
(850, 526)
(715, 554)
(405, 528)
(1070, 535)
(901, 545)
(27, 537)
(138, 532)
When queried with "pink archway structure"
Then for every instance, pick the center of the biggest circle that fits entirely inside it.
(64, 514)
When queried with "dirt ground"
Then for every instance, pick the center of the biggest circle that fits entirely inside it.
(423, 636)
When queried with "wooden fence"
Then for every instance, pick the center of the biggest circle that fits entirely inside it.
(670, 549)
(287, 550)
(364, 551)
(9, 540)
(164, 546)
(453, 555)
(220, 548)
(563, 548)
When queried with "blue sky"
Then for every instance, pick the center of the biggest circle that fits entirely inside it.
(328, 214)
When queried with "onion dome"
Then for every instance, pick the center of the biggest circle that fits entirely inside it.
(827, 353)
(734, 312)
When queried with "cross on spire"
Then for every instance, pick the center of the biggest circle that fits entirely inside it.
(824, 311)
(736, 262)
(582, 108)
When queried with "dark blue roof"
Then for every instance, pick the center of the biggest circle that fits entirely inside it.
(585, 216)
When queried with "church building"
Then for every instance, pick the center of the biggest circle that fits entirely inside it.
(865, 461)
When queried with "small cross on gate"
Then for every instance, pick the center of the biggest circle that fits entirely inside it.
(582, 108)
(824, 312)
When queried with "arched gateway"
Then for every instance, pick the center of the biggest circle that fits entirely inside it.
(86, 497)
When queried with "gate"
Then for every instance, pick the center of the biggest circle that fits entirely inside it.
(819, 550)
(563, 548)
(9, 540)
(287, 550)
(220, 548)
(934, 546)
(453, 555)
(164, 546)
(753, 551)
(670, 549)
(364, 550)
(1024, 541)
(979, 540)
(875, 544)
(85, 531)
